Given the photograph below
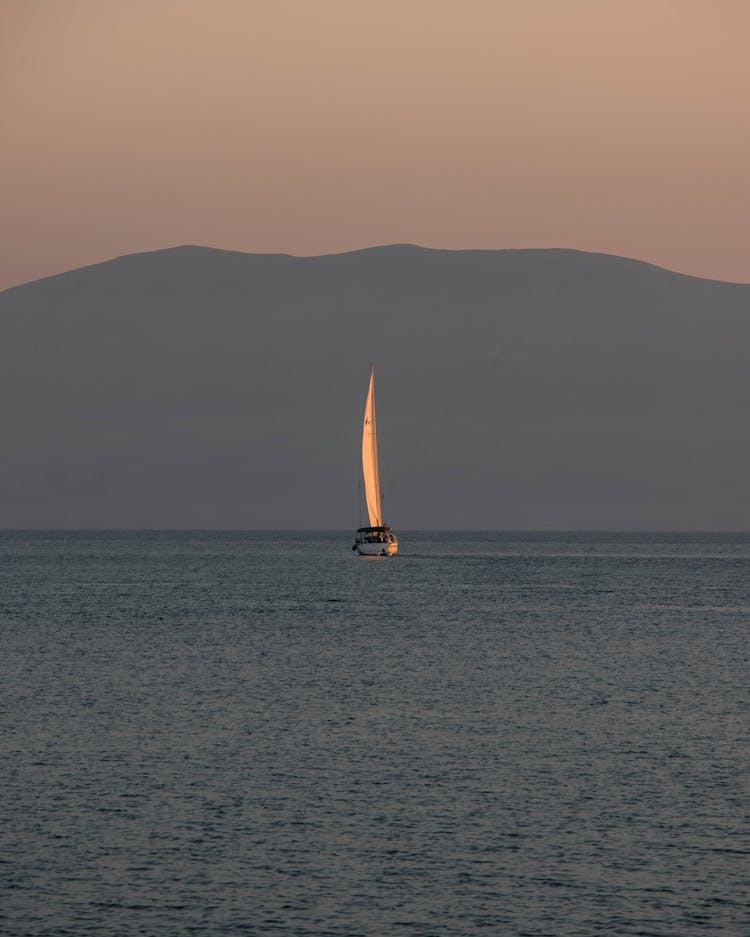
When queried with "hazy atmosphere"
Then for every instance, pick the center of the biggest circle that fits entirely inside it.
(502, 693)
(516, 390)
(309, 128)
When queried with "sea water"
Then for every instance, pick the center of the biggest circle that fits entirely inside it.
(264, 734)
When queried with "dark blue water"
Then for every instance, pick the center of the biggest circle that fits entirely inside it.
(232, 733)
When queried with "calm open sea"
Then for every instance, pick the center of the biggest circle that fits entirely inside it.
(261, 733)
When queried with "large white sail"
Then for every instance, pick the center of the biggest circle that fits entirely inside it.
(370, 458)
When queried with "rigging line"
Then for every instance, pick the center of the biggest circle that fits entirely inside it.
(359, 498)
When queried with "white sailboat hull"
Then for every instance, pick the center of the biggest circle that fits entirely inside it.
(376, 541)
(376, 549)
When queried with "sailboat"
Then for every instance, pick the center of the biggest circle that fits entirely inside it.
(378, 539)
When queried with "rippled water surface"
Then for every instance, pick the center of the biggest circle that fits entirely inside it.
(244, 733)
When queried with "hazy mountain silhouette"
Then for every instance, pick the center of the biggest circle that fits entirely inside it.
(516, 389)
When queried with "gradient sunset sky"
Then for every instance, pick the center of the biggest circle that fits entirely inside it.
(316, 126)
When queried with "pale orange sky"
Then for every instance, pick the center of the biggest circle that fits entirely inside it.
(314, 126)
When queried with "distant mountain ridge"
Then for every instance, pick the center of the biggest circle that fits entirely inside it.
(169, 255)
(194, 387)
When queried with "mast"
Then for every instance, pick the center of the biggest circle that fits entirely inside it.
(370, 471)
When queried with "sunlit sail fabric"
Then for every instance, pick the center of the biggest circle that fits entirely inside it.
(370, 458)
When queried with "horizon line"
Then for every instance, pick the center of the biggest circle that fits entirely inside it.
(402, 531)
